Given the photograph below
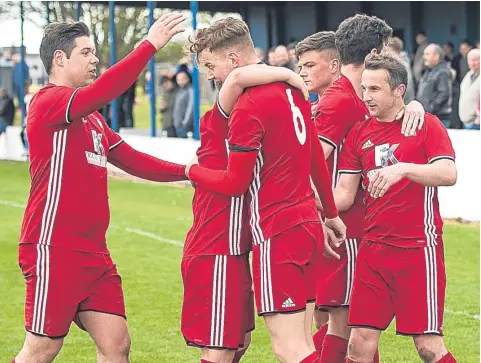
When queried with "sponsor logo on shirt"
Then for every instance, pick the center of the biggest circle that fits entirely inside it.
(96, 159)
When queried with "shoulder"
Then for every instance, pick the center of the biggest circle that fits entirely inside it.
(335, 97)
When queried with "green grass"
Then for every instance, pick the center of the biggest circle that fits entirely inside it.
(153, 288)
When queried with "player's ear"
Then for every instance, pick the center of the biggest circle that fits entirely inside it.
(335, 65)
(400, 90)
(59, 58)
(234, 59)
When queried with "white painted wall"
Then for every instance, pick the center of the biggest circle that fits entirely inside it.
(462, 200)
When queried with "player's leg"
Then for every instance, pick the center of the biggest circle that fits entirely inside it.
(321, 319)
(39, 349)
(310, 308)
(279, 268)
(371, 309)
(109, 333)
(52, 293)
(420, 305)
(363, 343)
(102, 314)
(216, 292)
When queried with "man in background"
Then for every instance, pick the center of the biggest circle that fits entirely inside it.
(469, 95)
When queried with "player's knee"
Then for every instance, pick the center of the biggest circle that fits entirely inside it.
(284, 351)
(39, 349)
(362, 343)
(116, 348)
(430, 348)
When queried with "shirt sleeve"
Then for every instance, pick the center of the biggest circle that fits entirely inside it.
(52, 106)
(349, 162)
(437, 142)
(245, 128)
(332, 122)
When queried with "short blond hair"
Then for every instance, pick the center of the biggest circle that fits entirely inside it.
(224, 33)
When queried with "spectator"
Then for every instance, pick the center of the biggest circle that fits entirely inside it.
(291, 48)
(17, 76)
(418, 61)
(282, 56)
(272, 57)
(260, 54)
(396, 45)
(464, 48)
(183, 115)
(169, 91)
(469, 95)
(128, 105)
(7, 111)
(436, 85)
(477, 44)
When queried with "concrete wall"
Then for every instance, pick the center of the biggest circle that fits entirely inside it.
(462, 200)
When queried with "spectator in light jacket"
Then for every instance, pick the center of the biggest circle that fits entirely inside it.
(469, 96)
(183, 115)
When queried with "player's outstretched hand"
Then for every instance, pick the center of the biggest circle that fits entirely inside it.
(165, 28)
(384, 178)
(330, 240)
(413, 118)
(296, 81)
(339, 228)
(193, 161)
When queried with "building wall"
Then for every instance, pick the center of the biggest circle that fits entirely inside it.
(257, 17)
(338, 11)
(300, 20)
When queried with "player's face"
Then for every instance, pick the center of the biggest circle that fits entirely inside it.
(318, 70)
(81, 67)
(377, 93)
(218, 65)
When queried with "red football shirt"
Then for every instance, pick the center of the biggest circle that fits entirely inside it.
(218, 227)
(337, 111)
(275, 120)
(408, 214)
(68, 204)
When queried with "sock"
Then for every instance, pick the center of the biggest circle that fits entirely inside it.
(448, 358)
(13, 361)
(319, 338)
(238, 355)
(334, 349)
(376, 357)
(205, 361)
(312, 358)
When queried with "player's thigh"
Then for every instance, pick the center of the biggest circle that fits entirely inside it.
(108, 331)
(336, 277)
(39, 348)
(217, 299)
(420, 286)
(54, 287)
(279, 267)
(371, 303)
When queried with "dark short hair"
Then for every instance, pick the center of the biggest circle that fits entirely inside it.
(358, 35)
(321, 41)
(60, 36)
(392, 64)
(467, 42)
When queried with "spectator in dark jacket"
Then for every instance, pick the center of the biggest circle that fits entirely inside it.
(7, 111)
(435, 90)
(169, 90)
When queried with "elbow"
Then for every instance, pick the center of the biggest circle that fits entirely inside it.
(451, 177)
(238, 190)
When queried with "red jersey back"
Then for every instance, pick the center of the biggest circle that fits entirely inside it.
(220, 222)
(337, 111)
(274, 120)
(68, 203)
(408, 214)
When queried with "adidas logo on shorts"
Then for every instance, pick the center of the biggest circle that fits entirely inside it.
(288, 303)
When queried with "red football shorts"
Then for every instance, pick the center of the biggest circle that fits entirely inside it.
(284, 269)
(218, 307)
(335, 277)
(60, 283)
(408, 283)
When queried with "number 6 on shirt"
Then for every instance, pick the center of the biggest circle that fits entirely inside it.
(299, 124)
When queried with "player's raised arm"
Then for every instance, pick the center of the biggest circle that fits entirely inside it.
(117, 79)
(255, 75)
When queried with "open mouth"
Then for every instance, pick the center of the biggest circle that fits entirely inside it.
(93, 72)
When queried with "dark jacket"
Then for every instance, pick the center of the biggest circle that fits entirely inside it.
(7, 110)
(167, 113)
(435, 91)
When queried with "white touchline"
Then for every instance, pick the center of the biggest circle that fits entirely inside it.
(180, 244)
(113, 226)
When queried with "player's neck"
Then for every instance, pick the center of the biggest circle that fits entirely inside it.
(321, 91)
(354, 73)
(59, 81)
(251, 60)
(390, 115)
